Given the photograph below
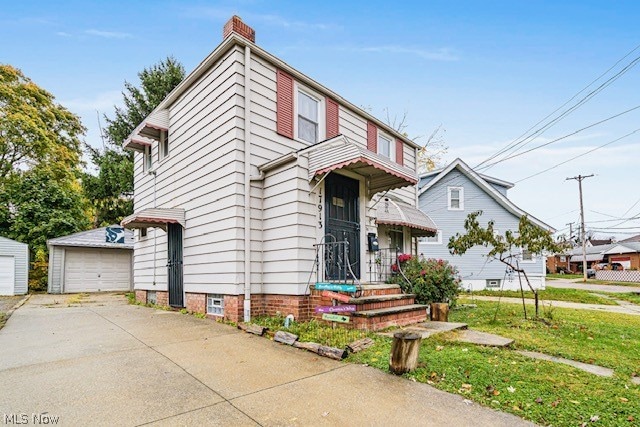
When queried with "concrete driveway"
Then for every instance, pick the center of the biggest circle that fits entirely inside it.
(104, 362)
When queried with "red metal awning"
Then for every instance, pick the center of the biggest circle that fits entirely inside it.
(391, 212)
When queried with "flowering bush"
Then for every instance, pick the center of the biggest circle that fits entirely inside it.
(432, 280)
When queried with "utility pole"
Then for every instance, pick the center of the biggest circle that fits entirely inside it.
(570, 239)
(579, 178)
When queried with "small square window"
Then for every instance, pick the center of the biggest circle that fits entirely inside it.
(164, 144)
(152, 298)
(215, 304)
(456, 198)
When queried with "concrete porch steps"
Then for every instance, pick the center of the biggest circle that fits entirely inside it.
(373, 302)
(381, 318)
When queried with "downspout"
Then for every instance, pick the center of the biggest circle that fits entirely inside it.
(247, 184)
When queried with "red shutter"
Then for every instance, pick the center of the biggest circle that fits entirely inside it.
(333, 123)
(284, 104)
(372, 137)
(399, 152)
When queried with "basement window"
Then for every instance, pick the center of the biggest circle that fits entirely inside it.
(152, 297)
(215, 304)
(493, 283)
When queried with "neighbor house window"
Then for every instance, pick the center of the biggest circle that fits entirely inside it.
(456, 198)
(308, 117)
(164, 144)
(527, 256)
(432, 240)
(215, 304)
(493, 283)
(146, 160)
(384, 146)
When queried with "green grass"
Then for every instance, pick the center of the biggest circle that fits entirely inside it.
(550, 294)
(630, 297)
(546, 393)
(608, 282)
(314, 331)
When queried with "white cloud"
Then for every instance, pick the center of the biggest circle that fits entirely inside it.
(63, 34)
(108, 34)
(102, 102)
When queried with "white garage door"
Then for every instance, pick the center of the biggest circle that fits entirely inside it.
(91, 269)
(7, 275)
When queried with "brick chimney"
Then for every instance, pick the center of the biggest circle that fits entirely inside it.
(236, 25)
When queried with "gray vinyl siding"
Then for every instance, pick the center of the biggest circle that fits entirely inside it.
(499, 188)
(473, 265)
(20, 253)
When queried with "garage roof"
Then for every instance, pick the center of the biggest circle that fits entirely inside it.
(95, 238)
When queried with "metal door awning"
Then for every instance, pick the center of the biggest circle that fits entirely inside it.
(391, 212)
(155, 217)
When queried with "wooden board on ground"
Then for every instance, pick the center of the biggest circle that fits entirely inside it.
(252, 329)
(322, 350)
(335, 308)
(360, 345)
(336, 296)
(285, 337)
(336, 318)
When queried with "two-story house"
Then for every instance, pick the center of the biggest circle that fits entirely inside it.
(253, 182)
(448, 195)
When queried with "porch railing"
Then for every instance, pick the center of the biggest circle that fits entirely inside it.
(384, 264)
(332, 262)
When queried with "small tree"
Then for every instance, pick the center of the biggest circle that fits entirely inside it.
(505, 248)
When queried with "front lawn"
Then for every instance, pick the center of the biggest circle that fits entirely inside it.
(544, 392)
(564, 276)
(549, 294)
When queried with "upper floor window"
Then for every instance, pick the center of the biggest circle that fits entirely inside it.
(164, 144)
(527, 256)
(384, 146)
(308, 122)
(146, 159)
(456, 198)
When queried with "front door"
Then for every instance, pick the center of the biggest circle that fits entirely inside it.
(342, 210)
(174, 264)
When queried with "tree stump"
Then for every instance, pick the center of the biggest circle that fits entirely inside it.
(439, 312)
(404, 352)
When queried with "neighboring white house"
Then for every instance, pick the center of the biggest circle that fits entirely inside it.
(91, 261)
(246, 166)
(14, 267)
(448, 195)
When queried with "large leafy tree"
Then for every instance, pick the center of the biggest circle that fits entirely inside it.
(40, 192)
(508, 247)
(111, 189)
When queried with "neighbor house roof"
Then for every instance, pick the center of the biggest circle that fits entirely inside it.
(631, 239)
(484, 185)
(487, 178)
(219, 52)
(95, 238)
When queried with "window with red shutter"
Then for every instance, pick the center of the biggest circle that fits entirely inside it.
(372, 137)
(399, 152)
(333, 123)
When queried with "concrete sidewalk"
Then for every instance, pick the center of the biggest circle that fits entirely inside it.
(625, 308)
(105, 362)
(577, 284)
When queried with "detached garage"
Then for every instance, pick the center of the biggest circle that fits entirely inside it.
(14, 267)
(91, 261)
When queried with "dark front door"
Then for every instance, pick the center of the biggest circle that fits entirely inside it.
(342, 210)
(174, 264)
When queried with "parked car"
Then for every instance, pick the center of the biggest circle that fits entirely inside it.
(617, 266)
(591, 272)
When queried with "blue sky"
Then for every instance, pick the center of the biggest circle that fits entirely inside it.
(486, 71)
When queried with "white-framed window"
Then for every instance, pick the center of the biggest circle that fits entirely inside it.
(385, 146)
(527, 256)
(142, 233)
(215, 304)
(432, 240)
(309, 124)
(396, 239)
(164, 144)
(493, 283)
(455, 197)
(146, 159)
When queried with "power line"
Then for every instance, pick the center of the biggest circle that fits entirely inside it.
(580, 178)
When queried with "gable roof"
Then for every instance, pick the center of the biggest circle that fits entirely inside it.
(234, 39)
(635, 238)
(487, 178)
(93, 239)
(478, 179)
